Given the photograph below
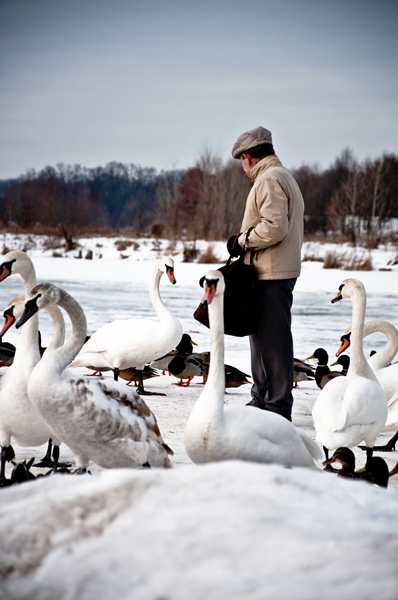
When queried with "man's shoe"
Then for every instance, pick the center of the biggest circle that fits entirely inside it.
(256, 403)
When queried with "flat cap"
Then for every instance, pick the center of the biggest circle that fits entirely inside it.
(255, 137)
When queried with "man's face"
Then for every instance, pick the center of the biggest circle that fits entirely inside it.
(247, 161)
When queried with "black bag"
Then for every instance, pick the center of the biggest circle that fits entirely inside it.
(239, 299)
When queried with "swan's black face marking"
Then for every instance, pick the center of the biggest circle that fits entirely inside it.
(31, 309)
(170, 274)
(9, 319)
(339, 295)
(6, 269)
(202, 281)
(210, 290)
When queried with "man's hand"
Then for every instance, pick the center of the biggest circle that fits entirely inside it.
(233, 247)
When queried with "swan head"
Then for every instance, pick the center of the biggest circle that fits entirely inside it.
(166, 265)
(13, 311)
(347, 289)
(15, 262)
(41, 296)
(213, 284)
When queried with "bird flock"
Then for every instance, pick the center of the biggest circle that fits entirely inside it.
(104, 421)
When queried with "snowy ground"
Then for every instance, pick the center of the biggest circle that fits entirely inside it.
(229, 530)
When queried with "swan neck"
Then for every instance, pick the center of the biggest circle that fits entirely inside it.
(216, 377)
(154, 293)
(384, 356)
(59, 327)
(358, 363)
(64, 355)
(28, 349)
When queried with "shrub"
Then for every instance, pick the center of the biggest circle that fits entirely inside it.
(122, 245)
(348, 261)
(208, 256)
(189, 254)
(332, 261)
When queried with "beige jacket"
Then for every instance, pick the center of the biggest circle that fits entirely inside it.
(275, 208)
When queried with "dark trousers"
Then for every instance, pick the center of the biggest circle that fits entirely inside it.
(271, 347)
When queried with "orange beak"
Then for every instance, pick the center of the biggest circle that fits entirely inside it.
(170, 275)
(343, 346)
(209, 294)
(9, 320)
(4, 272)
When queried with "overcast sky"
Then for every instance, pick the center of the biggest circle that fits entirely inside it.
(156, 82)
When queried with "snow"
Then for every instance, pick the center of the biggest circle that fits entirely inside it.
(223, 530)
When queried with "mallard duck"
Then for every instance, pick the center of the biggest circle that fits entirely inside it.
(344, 362)
(185, 368)
(375, 471)
(351, 409)
(135, 342)
(184, 348)
(234, 377)
(302, 371)
(99, 419)
(133, 375)
(7, 353)
(217, 432)
(323, 374)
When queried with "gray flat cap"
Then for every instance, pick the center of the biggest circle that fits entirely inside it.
(255, 137)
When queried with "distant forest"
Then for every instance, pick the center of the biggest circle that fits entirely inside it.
(350, 199)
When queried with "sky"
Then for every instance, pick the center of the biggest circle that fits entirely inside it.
(159, 83)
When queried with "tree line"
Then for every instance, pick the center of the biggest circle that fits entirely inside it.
(206, 201)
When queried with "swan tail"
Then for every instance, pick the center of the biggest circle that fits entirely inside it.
(311, 446)
(168, 449)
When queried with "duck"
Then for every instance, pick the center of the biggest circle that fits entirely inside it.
(185, 368)
(344, 362)
(132, 375)
(302, 371)
(134, 342)
(7, 353)
(216, 432)
(375, 471)
(122, 432)
(386, 373)
(323, 374)
(234, 377)
(19, 419)
(353, 408)
(184, 347)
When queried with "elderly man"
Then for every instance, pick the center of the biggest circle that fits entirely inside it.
(274, 219)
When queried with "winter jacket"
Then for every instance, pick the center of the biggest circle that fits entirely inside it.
(275, 209)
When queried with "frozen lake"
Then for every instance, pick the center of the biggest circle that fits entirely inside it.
(224, 530)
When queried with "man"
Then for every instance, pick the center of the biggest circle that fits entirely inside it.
(272, 227)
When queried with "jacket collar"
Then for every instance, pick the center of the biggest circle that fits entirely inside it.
(263, 165)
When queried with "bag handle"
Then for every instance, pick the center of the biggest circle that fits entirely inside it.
(248, 249)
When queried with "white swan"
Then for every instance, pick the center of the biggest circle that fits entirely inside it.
(135, 342)
(100, 420)
(216, 432)
(19, 419)
(351, 409)
(386, 373)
